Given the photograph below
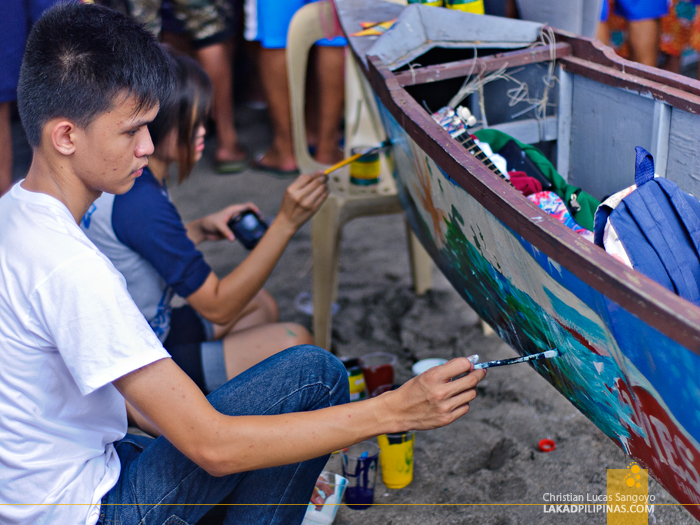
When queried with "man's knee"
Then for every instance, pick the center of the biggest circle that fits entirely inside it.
(324, 364)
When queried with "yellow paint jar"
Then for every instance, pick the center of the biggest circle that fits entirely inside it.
(396, 458)
(434, 3)
(365, 170)
(356, 379)
(468, 6)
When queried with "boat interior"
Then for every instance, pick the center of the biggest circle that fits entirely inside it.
(528, 82)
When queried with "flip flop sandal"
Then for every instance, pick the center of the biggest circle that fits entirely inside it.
(257, 165)
(229, 167)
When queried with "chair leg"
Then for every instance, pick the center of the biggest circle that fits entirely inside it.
(486, 328)
(325, 243)
(421, 264)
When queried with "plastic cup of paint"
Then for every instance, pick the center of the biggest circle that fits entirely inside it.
(396, 458)
(426, 364)
(378, 369)
(360, 464)
(383, 388)
(331, 488)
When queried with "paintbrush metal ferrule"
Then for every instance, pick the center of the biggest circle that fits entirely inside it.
(514, 360)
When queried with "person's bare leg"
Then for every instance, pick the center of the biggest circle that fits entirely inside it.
(273, 74)
(178, 41)
(248, 347)
(5, 148)
(261, 310)
(603, 32)
(330, 69)
(216, 61)
(253, 91)
(643, 37)
(511, 9)
(672, 63)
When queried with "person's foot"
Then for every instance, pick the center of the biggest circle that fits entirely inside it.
(231, 160)
(330, 156)
(272, 161)
(235, 153)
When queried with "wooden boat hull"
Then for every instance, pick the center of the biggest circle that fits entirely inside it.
(630, 348)
(624, 375)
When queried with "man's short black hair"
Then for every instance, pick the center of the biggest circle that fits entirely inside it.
(80, 58)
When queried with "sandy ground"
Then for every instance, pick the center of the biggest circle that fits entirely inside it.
(483, 469)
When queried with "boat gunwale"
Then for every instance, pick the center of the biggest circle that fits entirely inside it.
(668, 313)
(597, 61)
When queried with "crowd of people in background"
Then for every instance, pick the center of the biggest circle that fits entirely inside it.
(652, 32)
(210, 31)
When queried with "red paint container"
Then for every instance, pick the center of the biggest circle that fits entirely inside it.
(378, 369)
(547, 445)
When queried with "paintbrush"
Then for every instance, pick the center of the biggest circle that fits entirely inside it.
(356, 156)
(503, 362)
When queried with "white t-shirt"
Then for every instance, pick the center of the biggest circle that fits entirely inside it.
(68, 328)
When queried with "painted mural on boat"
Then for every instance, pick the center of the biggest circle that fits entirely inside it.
(631, 381)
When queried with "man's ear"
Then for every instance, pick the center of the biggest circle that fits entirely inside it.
(62, 135)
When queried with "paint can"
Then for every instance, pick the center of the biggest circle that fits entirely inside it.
(426, 364)
(355, 378)
(434, 3)
(396, 458)
(365, 170)
(468, 6)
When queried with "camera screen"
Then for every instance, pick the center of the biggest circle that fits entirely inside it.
(249, 222)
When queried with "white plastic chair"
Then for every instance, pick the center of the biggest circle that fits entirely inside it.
(346, 201)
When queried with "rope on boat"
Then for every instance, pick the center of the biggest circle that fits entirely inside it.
(518, 94)
(411, 67)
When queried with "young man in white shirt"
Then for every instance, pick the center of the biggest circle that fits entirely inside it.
(73, 345)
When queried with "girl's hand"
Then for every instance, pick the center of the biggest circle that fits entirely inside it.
(214, 227)
(301, 200)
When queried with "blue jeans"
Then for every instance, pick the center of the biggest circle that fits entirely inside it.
(157, 482)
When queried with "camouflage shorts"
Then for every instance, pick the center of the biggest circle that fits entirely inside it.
(205, 21)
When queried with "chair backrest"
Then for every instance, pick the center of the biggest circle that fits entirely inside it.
(363, 126)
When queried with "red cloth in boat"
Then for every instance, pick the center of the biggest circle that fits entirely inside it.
(524, 184)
